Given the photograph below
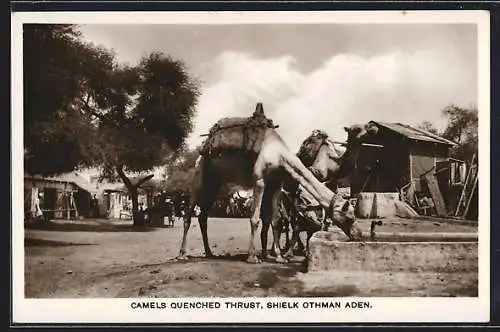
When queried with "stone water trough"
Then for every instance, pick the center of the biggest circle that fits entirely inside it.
(395, 252)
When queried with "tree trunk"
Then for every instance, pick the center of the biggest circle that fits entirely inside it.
(137, 217)
(132, 190)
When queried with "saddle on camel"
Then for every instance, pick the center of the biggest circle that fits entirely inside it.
(237, 134)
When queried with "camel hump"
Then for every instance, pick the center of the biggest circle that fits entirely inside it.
(243, 134)
(259, 109)
(319, 133)
(227, 123)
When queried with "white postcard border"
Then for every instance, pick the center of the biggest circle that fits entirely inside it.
(382, 309)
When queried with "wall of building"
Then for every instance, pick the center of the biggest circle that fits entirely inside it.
(111, 204)
(392, 169)
(56, 202)
(425, 156)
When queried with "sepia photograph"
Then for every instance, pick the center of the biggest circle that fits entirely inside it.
(203, 167)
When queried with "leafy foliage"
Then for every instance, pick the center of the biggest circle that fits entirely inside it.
(462, 128)
(91, 111)
(53, 72)
(428, 126)
(181, 172)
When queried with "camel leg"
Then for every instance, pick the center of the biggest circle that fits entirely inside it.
(293, 242)
(287, 233)
(294, 221)
(283, 224)
(209, 196)
(187, 224)
(258, 195)
(276, 225)
(266, 216)
(263, 237)
(309, 235)
(300, 244)
(306, 253)
(202, 220)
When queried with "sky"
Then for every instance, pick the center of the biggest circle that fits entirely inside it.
(314, 76)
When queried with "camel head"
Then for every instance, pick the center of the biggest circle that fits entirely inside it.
(310, 147)
(342, 215)
(357, 134)
(327, 163)
(319, 154)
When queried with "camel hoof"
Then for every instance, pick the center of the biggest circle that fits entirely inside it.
(280, 259)
(182, 258)
(253, 260)
(289, 254)
(209, 255)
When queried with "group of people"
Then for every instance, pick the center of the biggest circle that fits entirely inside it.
(169, 208)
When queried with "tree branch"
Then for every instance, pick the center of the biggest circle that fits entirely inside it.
(125, 179)
(147, 178)
(90, 109)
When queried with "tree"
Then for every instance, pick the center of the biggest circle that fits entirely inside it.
(428, 126)
(145, 115)
(462, 128)
(53, 72)
(81, 103)
(181, 172)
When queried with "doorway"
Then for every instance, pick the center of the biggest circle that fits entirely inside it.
(48, 202)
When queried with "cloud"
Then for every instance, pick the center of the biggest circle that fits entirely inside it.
(395, 86)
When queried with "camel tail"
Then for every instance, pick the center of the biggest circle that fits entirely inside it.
(292, 164)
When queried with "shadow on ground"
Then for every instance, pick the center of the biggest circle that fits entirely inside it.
(90, 226)
(48, 243)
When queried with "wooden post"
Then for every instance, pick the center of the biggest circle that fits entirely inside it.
(34, 198)
(435, 193)
(73, 203)
(68, 200)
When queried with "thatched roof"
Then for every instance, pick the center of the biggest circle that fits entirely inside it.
(73, 178)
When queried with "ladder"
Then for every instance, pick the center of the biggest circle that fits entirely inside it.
(468, 190)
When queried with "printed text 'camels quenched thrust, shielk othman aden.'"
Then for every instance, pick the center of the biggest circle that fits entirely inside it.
(251, 305)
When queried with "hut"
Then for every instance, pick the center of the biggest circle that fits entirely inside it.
(112, 199)
(400, 158)
(147, 190)
(65, 196)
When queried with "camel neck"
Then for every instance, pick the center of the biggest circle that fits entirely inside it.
(296, 169)
(348, 160)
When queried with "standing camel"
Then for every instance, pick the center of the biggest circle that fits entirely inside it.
(262, 171)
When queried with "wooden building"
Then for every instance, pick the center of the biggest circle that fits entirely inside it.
(112, 199)
(398, 157)
(66, 196)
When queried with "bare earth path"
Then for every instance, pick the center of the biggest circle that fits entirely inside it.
(103, 258)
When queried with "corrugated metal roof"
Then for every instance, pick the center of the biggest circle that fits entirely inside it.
(414, 133)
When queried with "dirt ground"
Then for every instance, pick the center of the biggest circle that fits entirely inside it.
(111, 259)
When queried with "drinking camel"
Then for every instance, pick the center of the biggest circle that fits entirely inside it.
(328, 164)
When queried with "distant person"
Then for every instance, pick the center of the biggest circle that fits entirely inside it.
(37, 213)
(179, 208)
(169, 211)
(197, 210)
